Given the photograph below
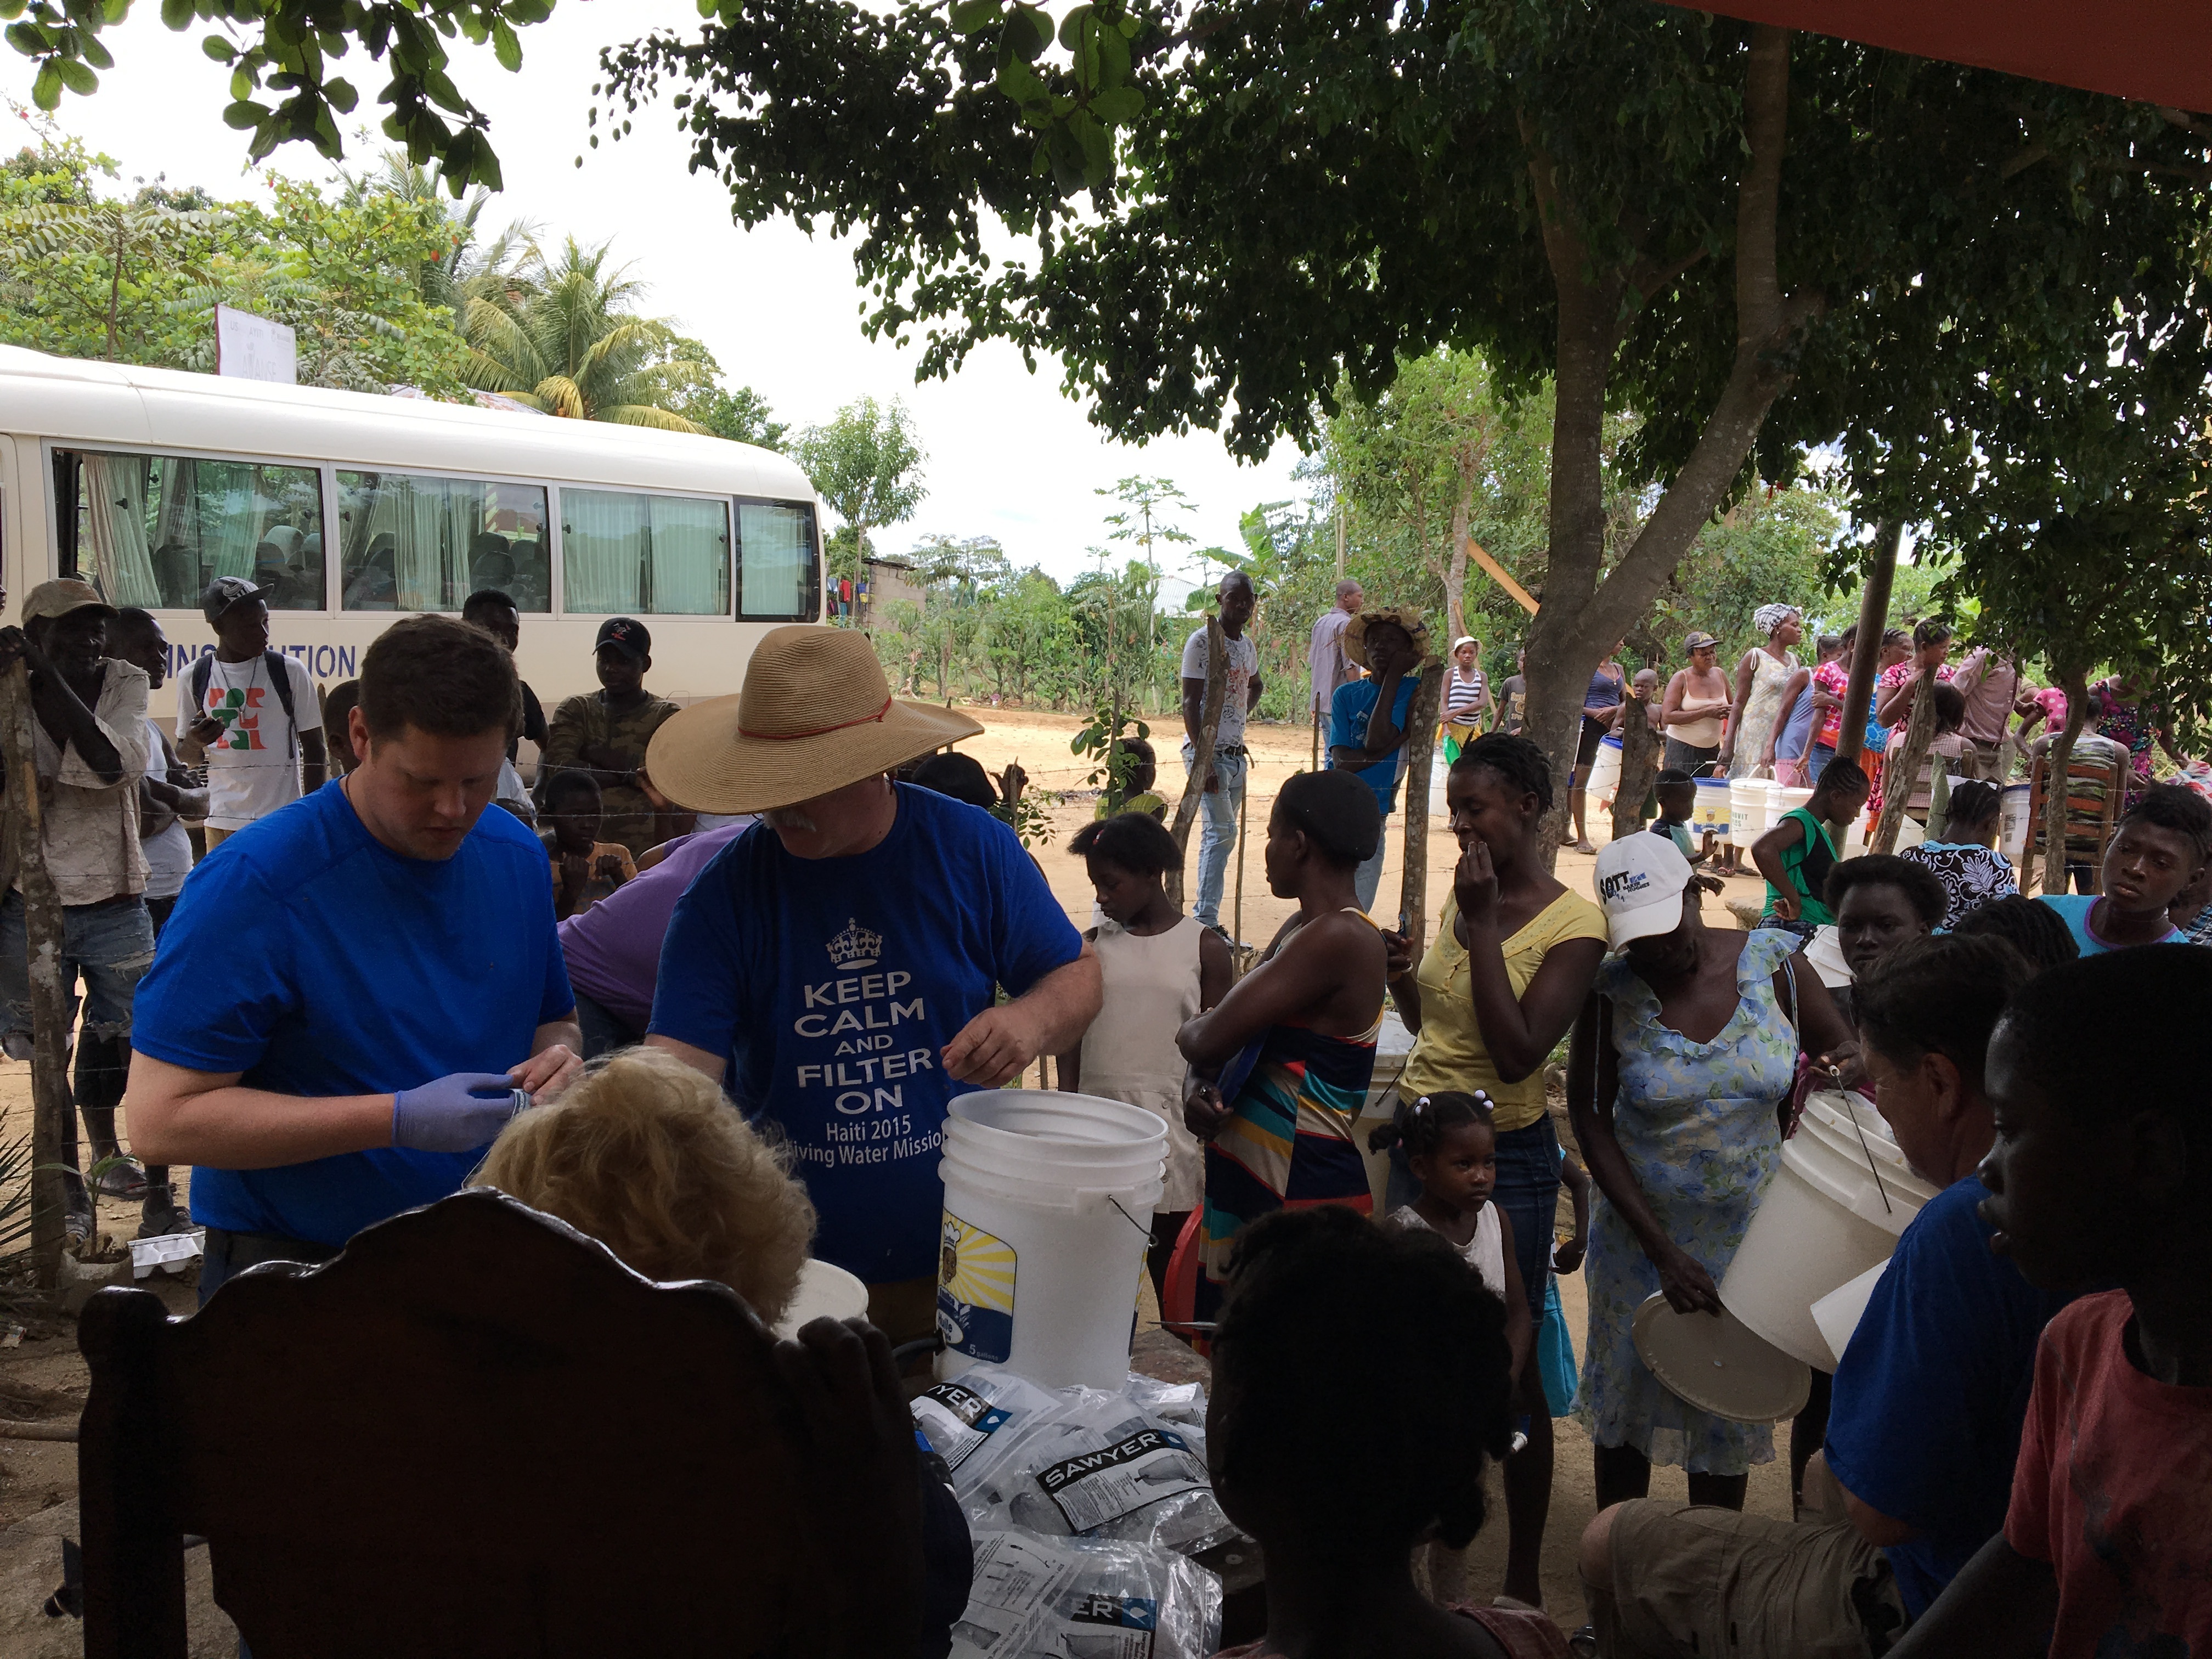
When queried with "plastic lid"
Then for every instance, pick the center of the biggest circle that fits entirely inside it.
(825, 1292)
(1719, 1366)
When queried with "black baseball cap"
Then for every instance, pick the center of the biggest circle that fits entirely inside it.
(627, 634)
(224, 591)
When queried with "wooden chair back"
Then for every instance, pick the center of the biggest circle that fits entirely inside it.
(2083, 777)
(474, 1432)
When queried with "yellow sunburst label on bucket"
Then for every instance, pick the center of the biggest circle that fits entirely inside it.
(975, 1292)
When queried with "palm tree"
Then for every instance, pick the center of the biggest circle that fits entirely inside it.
(469, 267)
(564, 336)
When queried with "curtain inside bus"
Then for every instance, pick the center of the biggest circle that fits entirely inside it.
(414, 542)
(155, 530)
(629, 554)
(776, 543)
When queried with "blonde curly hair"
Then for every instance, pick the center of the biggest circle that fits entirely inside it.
(647, 1155)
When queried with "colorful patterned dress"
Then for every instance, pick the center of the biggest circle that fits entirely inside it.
(1696, 1123)
(1760, 705)
(1288, 1142)
(2129, 724)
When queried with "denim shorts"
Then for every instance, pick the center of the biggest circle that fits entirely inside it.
(110, 946)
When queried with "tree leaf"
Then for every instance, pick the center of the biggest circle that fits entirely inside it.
(215, 47)
(974, 16)
(244, 114)
(46, 87)
(76, 76)
(505, 45)
(177, 13)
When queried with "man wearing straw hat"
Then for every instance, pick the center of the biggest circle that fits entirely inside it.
(838, 961)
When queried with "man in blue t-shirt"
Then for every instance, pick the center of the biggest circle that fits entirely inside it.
(838, 961)
(1925, 1420)
(1367, 719)
(357, 992)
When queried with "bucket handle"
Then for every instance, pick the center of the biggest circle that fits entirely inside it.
(1126, 1216)
(1859, 1129)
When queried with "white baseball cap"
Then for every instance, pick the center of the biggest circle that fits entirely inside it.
(1640, 879)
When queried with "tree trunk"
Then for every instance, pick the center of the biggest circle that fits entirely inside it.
(1114, 751)
(1639, 768)
(1587, 608)
(1209, 723)
(2076, 685)
(1454, 571)
(53, 1107)
(1901, 770)
(1866, 650)
(1420, 747)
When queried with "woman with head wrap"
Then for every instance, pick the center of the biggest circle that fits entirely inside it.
(1759, 677)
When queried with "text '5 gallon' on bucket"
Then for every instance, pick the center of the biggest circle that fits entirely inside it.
(1048, 1209)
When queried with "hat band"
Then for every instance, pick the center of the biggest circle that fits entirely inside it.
(816, 731)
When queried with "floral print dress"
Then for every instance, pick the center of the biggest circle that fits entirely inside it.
(1761, 703)
(1696, 1123)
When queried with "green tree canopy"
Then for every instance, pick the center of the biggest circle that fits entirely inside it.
(866, 464)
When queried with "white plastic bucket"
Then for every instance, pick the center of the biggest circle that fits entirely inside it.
(1835, 1209)
(1048, 1208)
(1393, 1046)
(1748, 804)
(2012, 822)
(1604, 773)
(1711, 808)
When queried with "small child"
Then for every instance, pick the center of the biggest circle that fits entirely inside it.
(1161, 968)
(337, 728)
(584, 868)
(1678, 801)
(1324, 1307)
(1451, 1148)
(1141, 793)
(2100, 1173)
(1796, 854)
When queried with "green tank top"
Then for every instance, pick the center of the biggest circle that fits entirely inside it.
(1807, 865)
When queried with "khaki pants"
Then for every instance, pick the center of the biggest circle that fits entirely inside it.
(216, 837)
(1702, 1583)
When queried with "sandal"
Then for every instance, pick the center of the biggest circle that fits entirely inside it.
(163, 1216)
(122, 1177)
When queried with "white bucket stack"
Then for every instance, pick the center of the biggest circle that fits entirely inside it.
(1839, 1201)
(1710, 811)
(1604, 773)
(1047, 1208)
(1749, 804)
(2012, 821)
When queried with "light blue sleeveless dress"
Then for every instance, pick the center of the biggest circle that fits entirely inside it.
(1697, 1121)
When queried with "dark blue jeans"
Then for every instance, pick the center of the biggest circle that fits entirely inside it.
(1527, 1196)
(604, 1032)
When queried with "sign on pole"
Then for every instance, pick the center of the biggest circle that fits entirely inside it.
(252, 348)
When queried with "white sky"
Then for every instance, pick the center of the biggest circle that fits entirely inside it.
(1009, 456)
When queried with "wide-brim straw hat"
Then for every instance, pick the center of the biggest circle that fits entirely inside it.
(815, 715)
(1408, 617)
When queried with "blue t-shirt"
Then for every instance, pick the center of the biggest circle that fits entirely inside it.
(1933, 1389)
(2074, 908)
(311, 959)
(833, 986)
(1347, 729)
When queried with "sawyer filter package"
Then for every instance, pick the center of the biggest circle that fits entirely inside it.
(1074, 1598)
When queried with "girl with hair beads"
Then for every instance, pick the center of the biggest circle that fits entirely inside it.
(1453, 1153)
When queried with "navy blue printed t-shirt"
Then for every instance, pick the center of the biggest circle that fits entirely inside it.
(1933, 1390)
(311, 959)
(1347, 729)
(833, 986)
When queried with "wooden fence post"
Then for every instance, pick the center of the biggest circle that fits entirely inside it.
(1420, 745)
(52, 1107)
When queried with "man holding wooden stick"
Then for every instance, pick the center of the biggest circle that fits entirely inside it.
(1223, 781)
(88, 740)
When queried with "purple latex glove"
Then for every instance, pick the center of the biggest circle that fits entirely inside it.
(454, 1113)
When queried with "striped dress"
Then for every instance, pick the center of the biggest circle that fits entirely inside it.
(1288, 1143)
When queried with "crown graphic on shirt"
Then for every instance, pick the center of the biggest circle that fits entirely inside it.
(856, 947)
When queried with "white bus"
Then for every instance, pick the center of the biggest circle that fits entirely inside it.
(353, 509)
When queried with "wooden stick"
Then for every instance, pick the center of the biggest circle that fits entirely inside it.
(14, 1430)
(1499, 575)
(1900, 769)
(1866, 652)
(1420, 745)
(53, 1107)
(1243, 830)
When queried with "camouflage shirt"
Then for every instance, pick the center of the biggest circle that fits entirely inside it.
(585, 722)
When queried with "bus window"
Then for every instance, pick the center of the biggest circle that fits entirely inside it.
(155, 530)
(657, 555)
(414, 542)
(775, 547)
